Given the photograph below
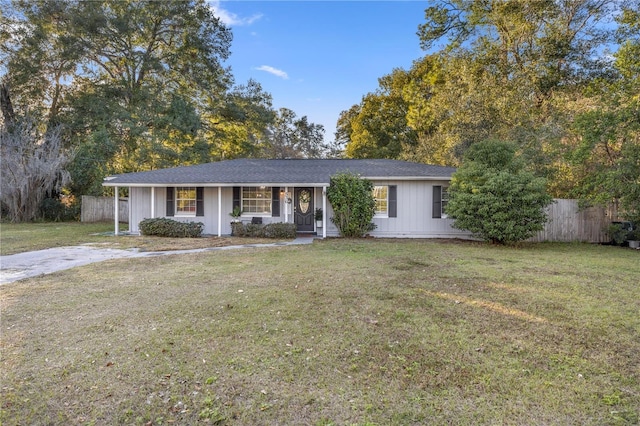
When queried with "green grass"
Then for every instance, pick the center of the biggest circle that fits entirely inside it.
(20, 237)
(341, 332)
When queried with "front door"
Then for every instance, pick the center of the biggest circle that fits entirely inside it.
(303, 209)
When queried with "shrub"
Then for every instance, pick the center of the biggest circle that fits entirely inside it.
(617, 233)
(280, 230)
(54, 209)
(237, 229)
(271, 230)
(494, 197)
(162, 227)
(353, 204)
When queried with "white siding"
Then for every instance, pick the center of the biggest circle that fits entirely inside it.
(139, 207)
(414, 211)
(414, 214)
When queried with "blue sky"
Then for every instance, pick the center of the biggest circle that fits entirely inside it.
(319, 58)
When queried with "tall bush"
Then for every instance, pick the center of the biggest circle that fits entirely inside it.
(351, 198)
(494, 197)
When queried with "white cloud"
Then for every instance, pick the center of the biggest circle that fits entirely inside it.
(274, 71)
(230, 18)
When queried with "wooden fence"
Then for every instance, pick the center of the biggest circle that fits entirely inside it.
(101, 209)
(568, 222)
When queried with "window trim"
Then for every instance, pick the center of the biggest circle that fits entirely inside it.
(380, 213)
(444, 200)
(177, 212)
(440, 201)
(268, 197)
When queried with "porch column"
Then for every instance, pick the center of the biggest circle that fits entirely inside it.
(116, 203)
(153, 202)
(286, 205)
(324, 212)
(219, 211)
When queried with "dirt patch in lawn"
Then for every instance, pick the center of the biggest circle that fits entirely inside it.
(146, 243)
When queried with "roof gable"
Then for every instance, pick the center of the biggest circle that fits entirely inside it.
(293, 171)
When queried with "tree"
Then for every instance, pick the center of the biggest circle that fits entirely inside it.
(605, 149)
(351, 198)
(493, 196)
(508, 70)
(344, 130)
(378, 128)
(546, 42)
(241, 125)
(150, 71)
(138, 78)
(292, 137)
(33, 166)
(513, 70)
(38, 56)
(136, 85)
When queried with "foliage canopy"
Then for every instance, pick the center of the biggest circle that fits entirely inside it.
(529, 71)
(136, 85)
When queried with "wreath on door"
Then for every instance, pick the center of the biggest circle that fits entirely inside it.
(304, 199)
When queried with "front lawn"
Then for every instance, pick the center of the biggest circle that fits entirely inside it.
(21, 237)
(339, 332)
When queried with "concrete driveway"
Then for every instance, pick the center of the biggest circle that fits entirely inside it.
(33, 263)
(15, 267)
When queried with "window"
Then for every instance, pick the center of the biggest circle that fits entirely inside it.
(381, 196)
(440, 200)
(256, 199)
(186, 201)
(444, 199)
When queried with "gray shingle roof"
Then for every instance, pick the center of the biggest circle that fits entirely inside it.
(260, 171)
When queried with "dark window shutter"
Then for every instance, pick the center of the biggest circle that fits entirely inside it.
(393, 201)
(437, 201)
(275, 201)
(170, 202)
(199, 201)
(236, 197)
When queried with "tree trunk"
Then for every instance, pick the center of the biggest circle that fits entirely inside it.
(5, 104)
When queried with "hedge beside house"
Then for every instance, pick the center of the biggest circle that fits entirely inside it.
(162, 227)
(271, 230)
